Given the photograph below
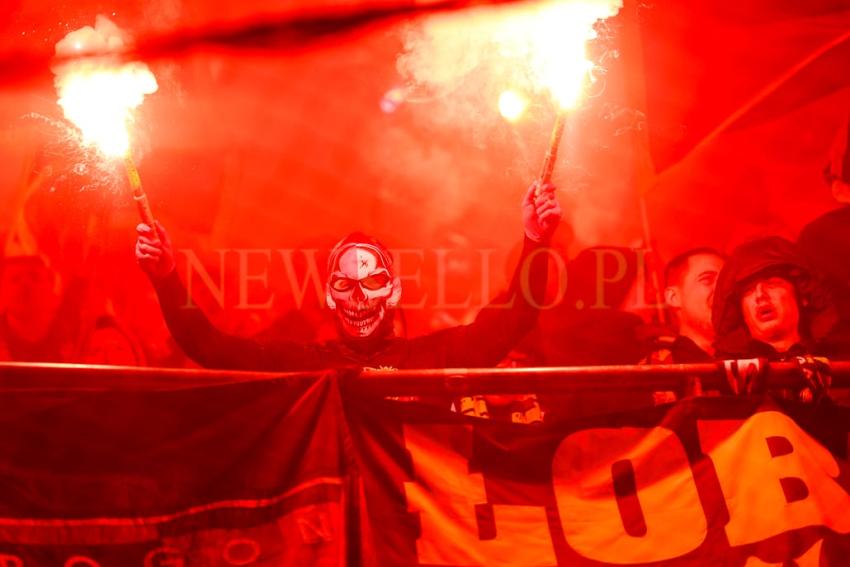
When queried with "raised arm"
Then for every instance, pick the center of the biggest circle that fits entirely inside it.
(193, 331)
(502, 323)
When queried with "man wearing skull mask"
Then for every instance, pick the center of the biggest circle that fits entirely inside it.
(361, 288)
(363, 291)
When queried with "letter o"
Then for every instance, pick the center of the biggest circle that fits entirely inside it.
(10, 561)
(164, 557)
(80, 561)
(241, 551)
(583, 471)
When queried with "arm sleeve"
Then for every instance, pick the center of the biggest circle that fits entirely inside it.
(211, 348)
(500, 324)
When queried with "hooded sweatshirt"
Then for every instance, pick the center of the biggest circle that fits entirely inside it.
(764, 257)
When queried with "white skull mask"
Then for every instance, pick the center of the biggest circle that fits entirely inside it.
(361, 288)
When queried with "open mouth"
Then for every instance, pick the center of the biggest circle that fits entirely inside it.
(362, 321)
(766, 312)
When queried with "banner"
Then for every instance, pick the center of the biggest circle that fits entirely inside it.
(151, 470)
(712, 481)
(154, 473)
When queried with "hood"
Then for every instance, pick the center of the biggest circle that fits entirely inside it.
(770, 255)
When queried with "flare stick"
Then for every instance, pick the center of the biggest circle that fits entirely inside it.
(139, 195)
(554, 145)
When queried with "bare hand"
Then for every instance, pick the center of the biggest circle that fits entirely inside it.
(154, 255)
(541, 212)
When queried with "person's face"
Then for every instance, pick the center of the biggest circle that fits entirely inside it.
(27, 287)
(770, 309)
(695, 293)
(841, 191)
(359, 289)
(109, 346)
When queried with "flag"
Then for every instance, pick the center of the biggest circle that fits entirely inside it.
(142, 472)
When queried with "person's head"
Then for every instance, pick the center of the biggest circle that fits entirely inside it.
(767, 291)
(361, 288)
(837, 172)
(28, 286)
(770, 307)
(109, 343)
(690, 279)
(840, 191)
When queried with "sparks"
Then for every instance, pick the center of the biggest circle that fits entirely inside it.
(100, 94)
(538, 48)
(551, 39)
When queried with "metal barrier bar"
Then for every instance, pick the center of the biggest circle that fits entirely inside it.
(411, 382)
(577, 379)
(24, 375)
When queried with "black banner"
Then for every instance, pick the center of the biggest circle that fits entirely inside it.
(239, 473)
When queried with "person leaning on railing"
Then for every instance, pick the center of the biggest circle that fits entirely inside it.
(768, 304)
(690, 279)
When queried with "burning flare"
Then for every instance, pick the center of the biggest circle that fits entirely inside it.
(537, 47)
(99, 94)
(550, 40)
(512, 105)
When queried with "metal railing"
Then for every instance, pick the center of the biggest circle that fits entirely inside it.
(713, 375)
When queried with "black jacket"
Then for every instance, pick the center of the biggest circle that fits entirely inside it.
(484, 342)
(821, 334)
(826, 243)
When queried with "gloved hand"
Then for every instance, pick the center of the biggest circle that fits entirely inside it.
(818, 376)
(154, 255)
(541, 212)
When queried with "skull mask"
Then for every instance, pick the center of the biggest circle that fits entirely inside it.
(361, 287)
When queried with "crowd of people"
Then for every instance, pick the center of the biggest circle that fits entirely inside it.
(768, 298)
(47, 316)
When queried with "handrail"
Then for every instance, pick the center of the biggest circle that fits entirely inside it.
(579, 378)
(20, 375)
(27, 375)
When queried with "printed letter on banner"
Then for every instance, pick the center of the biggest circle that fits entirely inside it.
(10, 561)
(445, 494)
(774, 477)
(627, 495)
